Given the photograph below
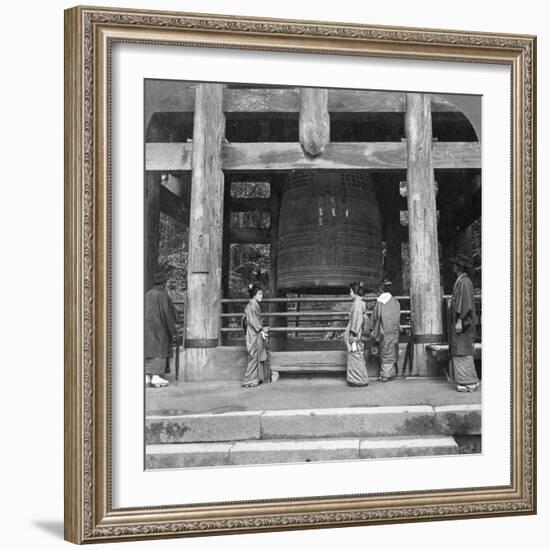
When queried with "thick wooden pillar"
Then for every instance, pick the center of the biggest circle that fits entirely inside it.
(426, 308)
(314, 120)
(205, 235)
(152, 221)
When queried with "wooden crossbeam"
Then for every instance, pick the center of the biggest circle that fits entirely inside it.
(168, 96)
(168, 157)
(171, 96)
(261, 100)
(336, 156)
(361, 101)
(456, 154)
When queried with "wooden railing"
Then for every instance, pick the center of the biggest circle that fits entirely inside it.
(298, 321)
(300, 318)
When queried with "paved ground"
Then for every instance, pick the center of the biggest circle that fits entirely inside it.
(301, 393)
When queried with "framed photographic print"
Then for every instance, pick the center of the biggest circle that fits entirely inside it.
(300, 274)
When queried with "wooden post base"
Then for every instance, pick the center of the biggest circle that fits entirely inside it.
(420, 367)
(199, 364)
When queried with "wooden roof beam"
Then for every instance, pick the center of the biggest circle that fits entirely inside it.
(171, 96)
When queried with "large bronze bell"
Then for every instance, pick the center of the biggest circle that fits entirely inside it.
(329, 232)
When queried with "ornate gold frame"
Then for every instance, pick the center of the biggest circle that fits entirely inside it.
(89, 34)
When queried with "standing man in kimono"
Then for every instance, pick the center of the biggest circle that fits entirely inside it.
(256, 336)
(385, 323)
(160, 327)
(462, 328)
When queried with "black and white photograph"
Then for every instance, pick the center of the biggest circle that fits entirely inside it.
(300, 275)
(312, 274)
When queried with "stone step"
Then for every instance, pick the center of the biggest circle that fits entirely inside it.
(348, 422)
(193, 455)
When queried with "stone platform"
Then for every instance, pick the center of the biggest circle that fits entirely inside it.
(303, 392)
(197, 424)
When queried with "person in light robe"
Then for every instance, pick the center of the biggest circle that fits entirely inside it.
(356, 372)
(256, 337)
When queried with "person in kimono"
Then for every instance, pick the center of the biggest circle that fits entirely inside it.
(356, 372)
(385, 324)
(256, 335)
(160, 327)
(462, 328)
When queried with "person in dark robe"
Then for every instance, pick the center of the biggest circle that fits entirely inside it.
(385, 323)
(160, 327)
(256, 337)
(356, 372)
(462, 328)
